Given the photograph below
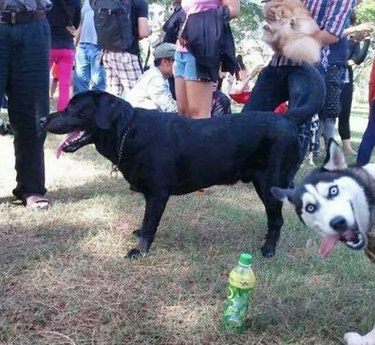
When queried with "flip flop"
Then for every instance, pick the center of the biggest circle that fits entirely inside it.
(36, 202)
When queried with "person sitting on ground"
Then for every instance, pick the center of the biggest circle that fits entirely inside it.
(220, 101)
(151, 91)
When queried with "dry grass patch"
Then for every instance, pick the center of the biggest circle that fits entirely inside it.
(65, 280)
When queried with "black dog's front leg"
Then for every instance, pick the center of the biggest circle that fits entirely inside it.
(155, 206)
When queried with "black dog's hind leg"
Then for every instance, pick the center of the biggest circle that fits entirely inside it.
(274, 216)
(155, 206)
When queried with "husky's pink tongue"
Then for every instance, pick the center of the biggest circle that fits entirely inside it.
(70, 136)
(327, 245)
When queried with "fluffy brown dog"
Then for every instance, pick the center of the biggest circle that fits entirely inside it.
(288, 30)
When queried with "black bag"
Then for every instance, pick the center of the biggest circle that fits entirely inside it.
(113, 24)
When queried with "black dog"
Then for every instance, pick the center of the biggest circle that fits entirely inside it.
(163, 154)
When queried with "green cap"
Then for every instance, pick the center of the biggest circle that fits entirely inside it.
(245, 259)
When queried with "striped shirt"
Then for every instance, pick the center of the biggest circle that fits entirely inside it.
(332, 16)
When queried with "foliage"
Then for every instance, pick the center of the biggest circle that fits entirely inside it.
(249, 20)
(366, 11)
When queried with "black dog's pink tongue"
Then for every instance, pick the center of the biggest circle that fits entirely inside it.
(70, 136)
(327, 245)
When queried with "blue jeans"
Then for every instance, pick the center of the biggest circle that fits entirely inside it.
(88, 68)
(368, 139)
(276, 85)
(185, 67)
(24, 77)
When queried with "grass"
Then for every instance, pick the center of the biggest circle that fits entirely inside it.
(64, 278)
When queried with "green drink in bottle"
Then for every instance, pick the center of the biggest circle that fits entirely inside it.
(240, 286)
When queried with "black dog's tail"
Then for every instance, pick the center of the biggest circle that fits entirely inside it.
(315, 97)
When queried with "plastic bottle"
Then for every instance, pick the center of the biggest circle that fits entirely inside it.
(240, 287)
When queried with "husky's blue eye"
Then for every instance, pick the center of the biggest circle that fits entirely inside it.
(333, 191)
(310, 208)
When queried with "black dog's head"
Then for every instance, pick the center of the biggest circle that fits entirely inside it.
(86, 113)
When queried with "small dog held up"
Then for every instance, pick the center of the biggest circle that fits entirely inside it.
(289, 30)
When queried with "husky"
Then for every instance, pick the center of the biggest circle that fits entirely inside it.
(337, 201)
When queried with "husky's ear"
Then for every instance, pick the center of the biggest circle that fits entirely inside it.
(370, 168)
(284, 195)
(335, 159)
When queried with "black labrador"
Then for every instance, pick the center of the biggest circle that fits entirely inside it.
(163, 154)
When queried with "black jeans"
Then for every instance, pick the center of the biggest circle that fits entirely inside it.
(276, 85)
(346, 98)
(24, 77)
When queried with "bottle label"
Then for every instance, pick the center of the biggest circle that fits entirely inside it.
(241, 281)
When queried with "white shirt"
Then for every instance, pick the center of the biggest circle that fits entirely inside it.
(151, 91)
(88, 32)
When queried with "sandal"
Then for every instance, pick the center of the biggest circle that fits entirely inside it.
(36, 202)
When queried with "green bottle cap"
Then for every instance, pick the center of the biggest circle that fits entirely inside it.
(245, 259)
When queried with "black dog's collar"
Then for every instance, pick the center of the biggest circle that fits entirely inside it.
(121, 150)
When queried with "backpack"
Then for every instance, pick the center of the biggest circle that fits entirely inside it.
(113, 24)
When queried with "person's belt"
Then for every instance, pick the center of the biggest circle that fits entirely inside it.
(13, 17)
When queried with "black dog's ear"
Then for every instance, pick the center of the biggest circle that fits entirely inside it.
(283, 195)
(109, 108)
(335, 159)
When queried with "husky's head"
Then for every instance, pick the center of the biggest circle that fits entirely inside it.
(333, 201)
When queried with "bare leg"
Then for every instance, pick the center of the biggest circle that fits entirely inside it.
(182, 103)
(199, 96)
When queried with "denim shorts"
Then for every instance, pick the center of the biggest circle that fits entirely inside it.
(185, 66)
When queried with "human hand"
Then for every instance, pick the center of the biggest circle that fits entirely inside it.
(183, 42)
(258, 68)
(360, 36)
(71, 29)
(369, 27)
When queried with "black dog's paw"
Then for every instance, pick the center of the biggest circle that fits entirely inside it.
(137, 233)
(134, 254)
(268, 251)
(269, 248)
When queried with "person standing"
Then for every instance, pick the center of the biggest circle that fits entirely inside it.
(173, 23)
(64, 19)
(368, 139)
(358, 47)
(198, 50)
(334, 79)
(24, 77)
(284, 80)
(88, 69)
(121, 58)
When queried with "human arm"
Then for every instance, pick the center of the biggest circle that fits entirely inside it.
(77, 33)
(240, 85)
(142, 19)
(360, 52)
(371, 94)
(234, 7)
(365, 28)
(333, 22)
(143, 28)
(77, 15)
(160, 94)
(325, 37)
